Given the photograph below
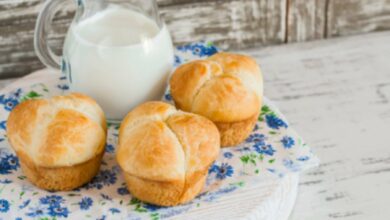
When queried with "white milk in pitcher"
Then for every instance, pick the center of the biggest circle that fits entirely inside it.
(119, 57)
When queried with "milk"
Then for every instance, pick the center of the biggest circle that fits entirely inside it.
(119, 57)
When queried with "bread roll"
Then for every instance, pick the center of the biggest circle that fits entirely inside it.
(226, 88)
(165, 154)
(59, 141)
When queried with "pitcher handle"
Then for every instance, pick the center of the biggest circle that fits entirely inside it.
(42, 27)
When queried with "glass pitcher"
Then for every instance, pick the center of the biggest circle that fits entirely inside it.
(119, 52)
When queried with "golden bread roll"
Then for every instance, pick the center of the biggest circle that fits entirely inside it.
(59, 141)
(165, 154)
(226, 88)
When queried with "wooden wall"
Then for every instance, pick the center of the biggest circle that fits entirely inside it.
(231, 24)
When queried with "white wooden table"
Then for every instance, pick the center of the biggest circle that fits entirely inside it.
(336, 94)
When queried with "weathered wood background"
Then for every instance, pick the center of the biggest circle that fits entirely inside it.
(231, 24)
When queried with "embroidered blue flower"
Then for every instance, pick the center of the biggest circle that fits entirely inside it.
(177, 61)
(275, 122)
(5, 181)
(4, 205)
(3, 125)
(223, 171)
(8, 163)
(102, 218)
(202, 50)
(257, 138)
(264, 149)
(199, 49)
(184, 48)
(4, 167)
(63, 87)
(104, 178)
(228, 155)
(13, 161)
(107, 177)
(109, 148)
(25, 204)
(122, 191)
(16, 94)
(36, 211)
(287, 142)
(52, 200)
(85, 203)
(58, 211)
(271, 170)
(151, 207)
(8, 103)
(106, 197)
(168, 97)
(303, 158)
(18, 218)
(242, 149)
(114, 210)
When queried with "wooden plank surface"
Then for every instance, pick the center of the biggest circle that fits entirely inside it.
(336, 94)
(306, 20)
(16, 47)
(230, 23)
(346, 17)
(17, 22)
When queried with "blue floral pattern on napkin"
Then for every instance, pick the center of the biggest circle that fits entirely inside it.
(271, 151)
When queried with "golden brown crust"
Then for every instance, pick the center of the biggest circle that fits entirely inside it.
(60, 178)
(237, 63)
(59, 141)
(155, 192)
(236, 132)
(226, 88)
(92, 108)
(198, 138)
(164, 193)
(165, 153)
(150, 150)
(224, 99)
(22, 121)
(57, 132)
(188, 79)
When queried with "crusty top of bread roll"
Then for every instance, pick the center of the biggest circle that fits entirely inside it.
(159, 143)
(225, 87)
(56, 132)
